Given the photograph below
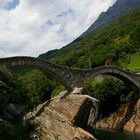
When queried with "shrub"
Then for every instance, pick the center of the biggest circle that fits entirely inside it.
(108, 91)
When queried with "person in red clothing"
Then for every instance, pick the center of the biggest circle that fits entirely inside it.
(107, 61)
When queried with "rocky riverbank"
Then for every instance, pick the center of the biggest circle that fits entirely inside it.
(127, 117)
(64, 117)
(67, 116)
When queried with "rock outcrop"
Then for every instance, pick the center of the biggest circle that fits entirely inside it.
(13, 112)
(127, 118)
(64, 117)
(1, 120)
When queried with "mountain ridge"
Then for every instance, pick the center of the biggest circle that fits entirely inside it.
(119, 7)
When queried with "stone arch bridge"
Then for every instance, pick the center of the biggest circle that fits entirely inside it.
(71, 77)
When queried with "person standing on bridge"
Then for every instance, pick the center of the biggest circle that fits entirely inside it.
(107, 61)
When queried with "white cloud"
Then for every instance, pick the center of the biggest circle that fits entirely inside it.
(33, 27)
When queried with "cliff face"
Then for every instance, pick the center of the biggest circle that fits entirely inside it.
(118, 9)
(127, 118)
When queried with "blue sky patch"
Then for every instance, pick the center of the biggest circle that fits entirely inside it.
(9, 5)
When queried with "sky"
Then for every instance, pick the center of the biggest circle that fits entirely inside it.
(33, 27)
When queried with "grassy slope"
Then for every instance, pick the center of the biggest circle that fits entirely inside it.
(134, 64)
(113, 41)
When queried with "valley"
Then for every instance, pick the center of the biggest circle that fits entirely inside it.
(88, 89)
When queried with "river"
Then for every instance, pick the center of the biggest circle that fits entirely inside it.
(115, 135)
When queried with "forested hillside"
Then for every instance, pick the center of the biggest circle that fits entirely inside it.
(118, 41)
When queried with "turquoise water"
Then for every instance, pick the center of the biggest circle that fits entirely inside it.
(115, 135)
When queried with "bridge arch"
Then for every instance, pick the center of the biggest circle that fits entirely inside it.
(130, 79)
(35, 63)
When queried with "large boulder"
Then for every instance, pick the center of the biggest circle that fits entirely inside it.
(63, 117)
(13, 112)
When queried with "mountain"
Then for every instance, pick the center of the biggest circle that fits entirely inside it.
(118, 40)
(118, 9)
(50, 54)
